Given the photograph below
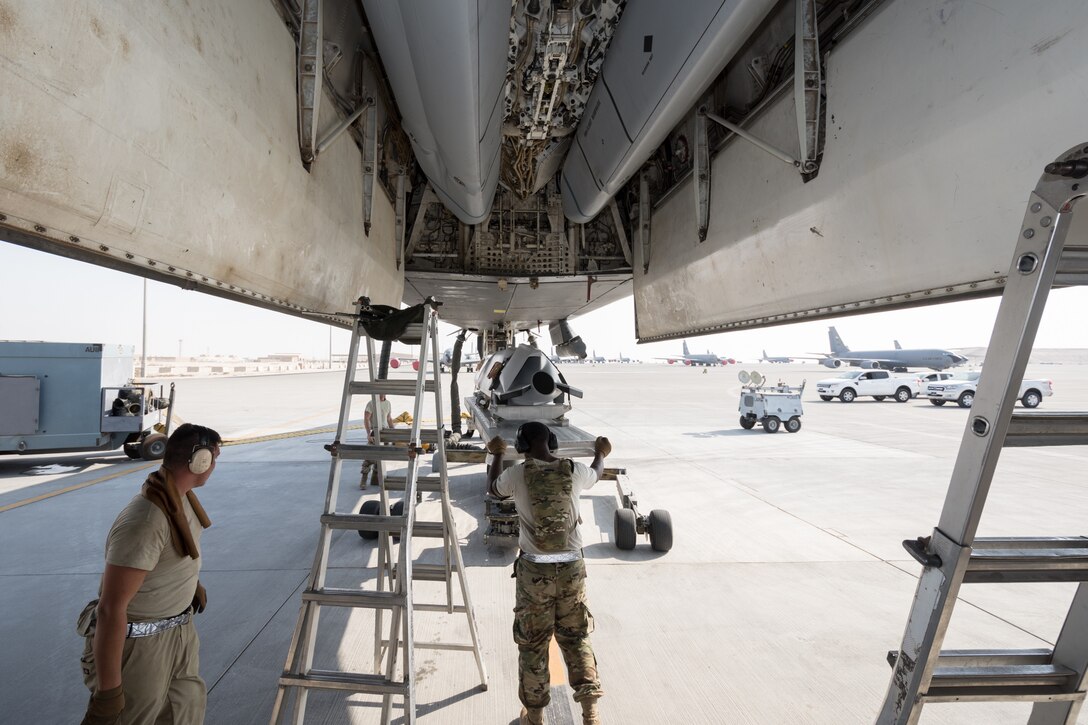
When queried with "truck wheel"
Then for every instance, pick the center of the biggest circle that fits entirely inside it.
(660, 530)
(826, 398)
(747, 423)
(132, 450)
(771, 424)
(1032, 398)
(397, 509)
(370, 508)
(793, 424)
(847, 395)
(903, 394)
(967, 399)
(153, 447)
(879, 398)
(938, 403)
(625, 529)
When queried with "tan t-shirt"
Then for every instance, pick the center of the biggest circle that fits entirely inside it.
(140, 538)
(512, 483)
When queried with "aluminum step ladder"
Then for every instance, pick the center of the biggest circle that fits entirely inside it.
(1052, 679)
(393, 672)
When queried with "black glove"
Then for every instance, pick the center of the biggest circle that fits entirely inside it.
(105, 707)
(200, 599)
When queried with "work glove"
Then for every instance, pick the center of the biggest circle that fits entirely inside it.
(496, 446)
(200, 599)
(602, 447)
(105, 707)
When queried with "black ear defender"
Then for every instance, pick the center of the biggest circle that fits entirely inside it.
(521, 445)
(203, 454)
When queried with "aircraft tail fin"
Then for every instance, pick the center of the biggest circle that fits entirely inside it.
(838, 347)
(897, 345)
(686, 348)
(764, 356)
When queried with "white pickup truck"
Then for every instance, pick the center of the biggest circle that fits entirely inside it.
(961, 388)
(879, 384)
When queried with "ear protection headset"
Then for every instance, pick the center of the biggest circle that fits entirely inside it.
(522, 446)
(203, 454)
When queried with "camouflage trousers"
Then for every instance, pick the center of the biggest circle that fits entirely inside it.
(551, 599)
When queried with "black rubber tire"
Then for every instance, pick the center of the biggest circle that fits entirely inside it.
(660, 530)
(373, 507)
(936, 402)
(771, 424)
(879, 398)
(793, 424)
(132, 450)
(1031, 399)
(848, 395)
(966, 399)
(626, 530)
(903, 394)
(153, 447)
(397, 509)
(826, 398)
(747, 423)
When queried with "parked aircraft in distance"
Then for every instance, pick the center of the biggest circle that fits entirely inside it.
(768, 359)
(595, 358)
(624, 359)
(898, 359)
(469, 360)
(709, 359)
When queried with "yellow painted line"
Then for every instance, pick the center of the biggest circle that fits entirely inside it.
(76, 487)
(557, 668)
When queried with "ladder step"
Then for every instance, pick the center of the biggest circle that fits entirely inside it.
(350, 681)
(432, 529)
(402, 386)
(357, 452)
(1072, 267)
(428, 484)
(365, 522)
(1047, 429)
(1028, 559)
(403, 435)
(427, 572)
(1001, 675)
(330, 597)
(458, 455)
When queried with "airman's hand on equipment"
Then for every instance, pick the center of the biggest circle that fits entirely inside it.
(496, 446)
(105, 707)
(602, 446)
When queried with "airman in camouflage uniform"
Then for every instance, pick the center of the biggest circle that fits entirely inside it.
(550, 572)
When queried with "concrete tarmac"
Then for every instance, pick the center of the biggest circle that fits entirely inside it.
(785, 589)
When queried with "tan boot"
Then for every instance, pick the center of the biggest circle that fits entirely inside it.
(590, 716)
(532, 716)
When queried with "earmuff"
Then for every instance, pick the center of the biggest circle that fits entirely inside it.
(203, 454)
(522, 446)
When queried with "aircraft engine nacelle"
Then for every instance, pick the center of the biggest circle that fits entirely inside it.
(830, 362)
(521, 376)
(394, 363)
(870, 365)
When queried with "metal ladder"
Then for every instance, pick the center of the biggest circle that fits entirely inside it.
(1054, 680)
(393, 592)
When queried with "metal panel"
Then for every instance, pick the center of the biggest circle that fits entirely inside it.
(934, 131)
(19, 405)
(163, 139)
(446, 63)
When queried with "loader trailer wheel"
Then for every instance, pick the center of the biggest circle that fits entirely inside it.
(153, 447)
(660, 530)
(370, 508)
(793, 424)
(132, 450)
(771, 424)
(626, 530)
(747, 423)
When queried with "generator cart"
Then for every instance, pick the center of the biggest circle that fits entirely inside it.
(771, 407)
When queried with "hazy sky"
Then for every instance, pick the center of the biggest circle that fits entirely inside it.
(45, 297)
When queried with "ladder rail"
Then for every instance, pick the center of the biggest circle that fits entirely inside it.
(1006, 362)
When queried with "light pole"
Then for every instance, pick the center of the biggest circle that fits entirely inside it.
(143, 342)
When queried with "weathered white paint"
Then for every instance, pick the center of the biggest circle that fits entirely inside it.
(168, 131)
(940, 118)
